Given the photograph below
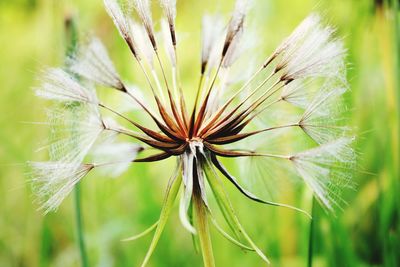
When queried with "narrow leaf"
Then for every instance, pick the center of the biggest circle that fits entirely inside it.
(225, 204)
(172, 191)
(142, 234)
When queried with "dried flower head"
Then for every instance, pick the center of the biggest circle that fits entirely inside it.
(305, 74)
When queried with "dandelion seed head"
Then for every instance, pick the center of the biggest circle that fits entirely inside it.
(293, 100)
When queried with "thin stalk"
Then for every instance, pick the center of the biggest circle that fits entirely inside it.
(213, 104)
(203, 107)
(230, 100)
(175, 84)
(72, 41)
(203, 230)
(395, 175)
(397, 87)
(181, 98)
(218, 113)
(193, 115)
(79, 225)
(158, 85)
(162, 70)
(198, 91)
(142, 68)
(311, 234)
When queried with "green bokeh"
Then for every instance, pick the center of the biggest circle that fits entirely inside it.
(366, 233)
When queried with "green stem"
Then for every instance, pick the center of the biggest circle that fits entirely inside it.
(203, 231)
(71, 33)
(311, 234)
(397, 89)
(396, 184)
(79, 226)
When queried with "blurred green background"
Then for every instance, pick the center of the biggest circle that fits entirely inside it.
(366, 233)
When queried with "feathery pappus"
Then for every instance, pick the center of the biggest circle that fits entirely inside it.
(304, 74)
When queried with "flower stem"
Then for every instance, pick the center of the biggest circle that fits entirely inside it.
(395, 234)
(311, 234)
(71, 33)
(203, 231)
(79, 225)
(397, 88)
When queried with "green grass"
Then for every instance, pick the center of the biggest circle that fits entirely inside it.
(366, 233)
